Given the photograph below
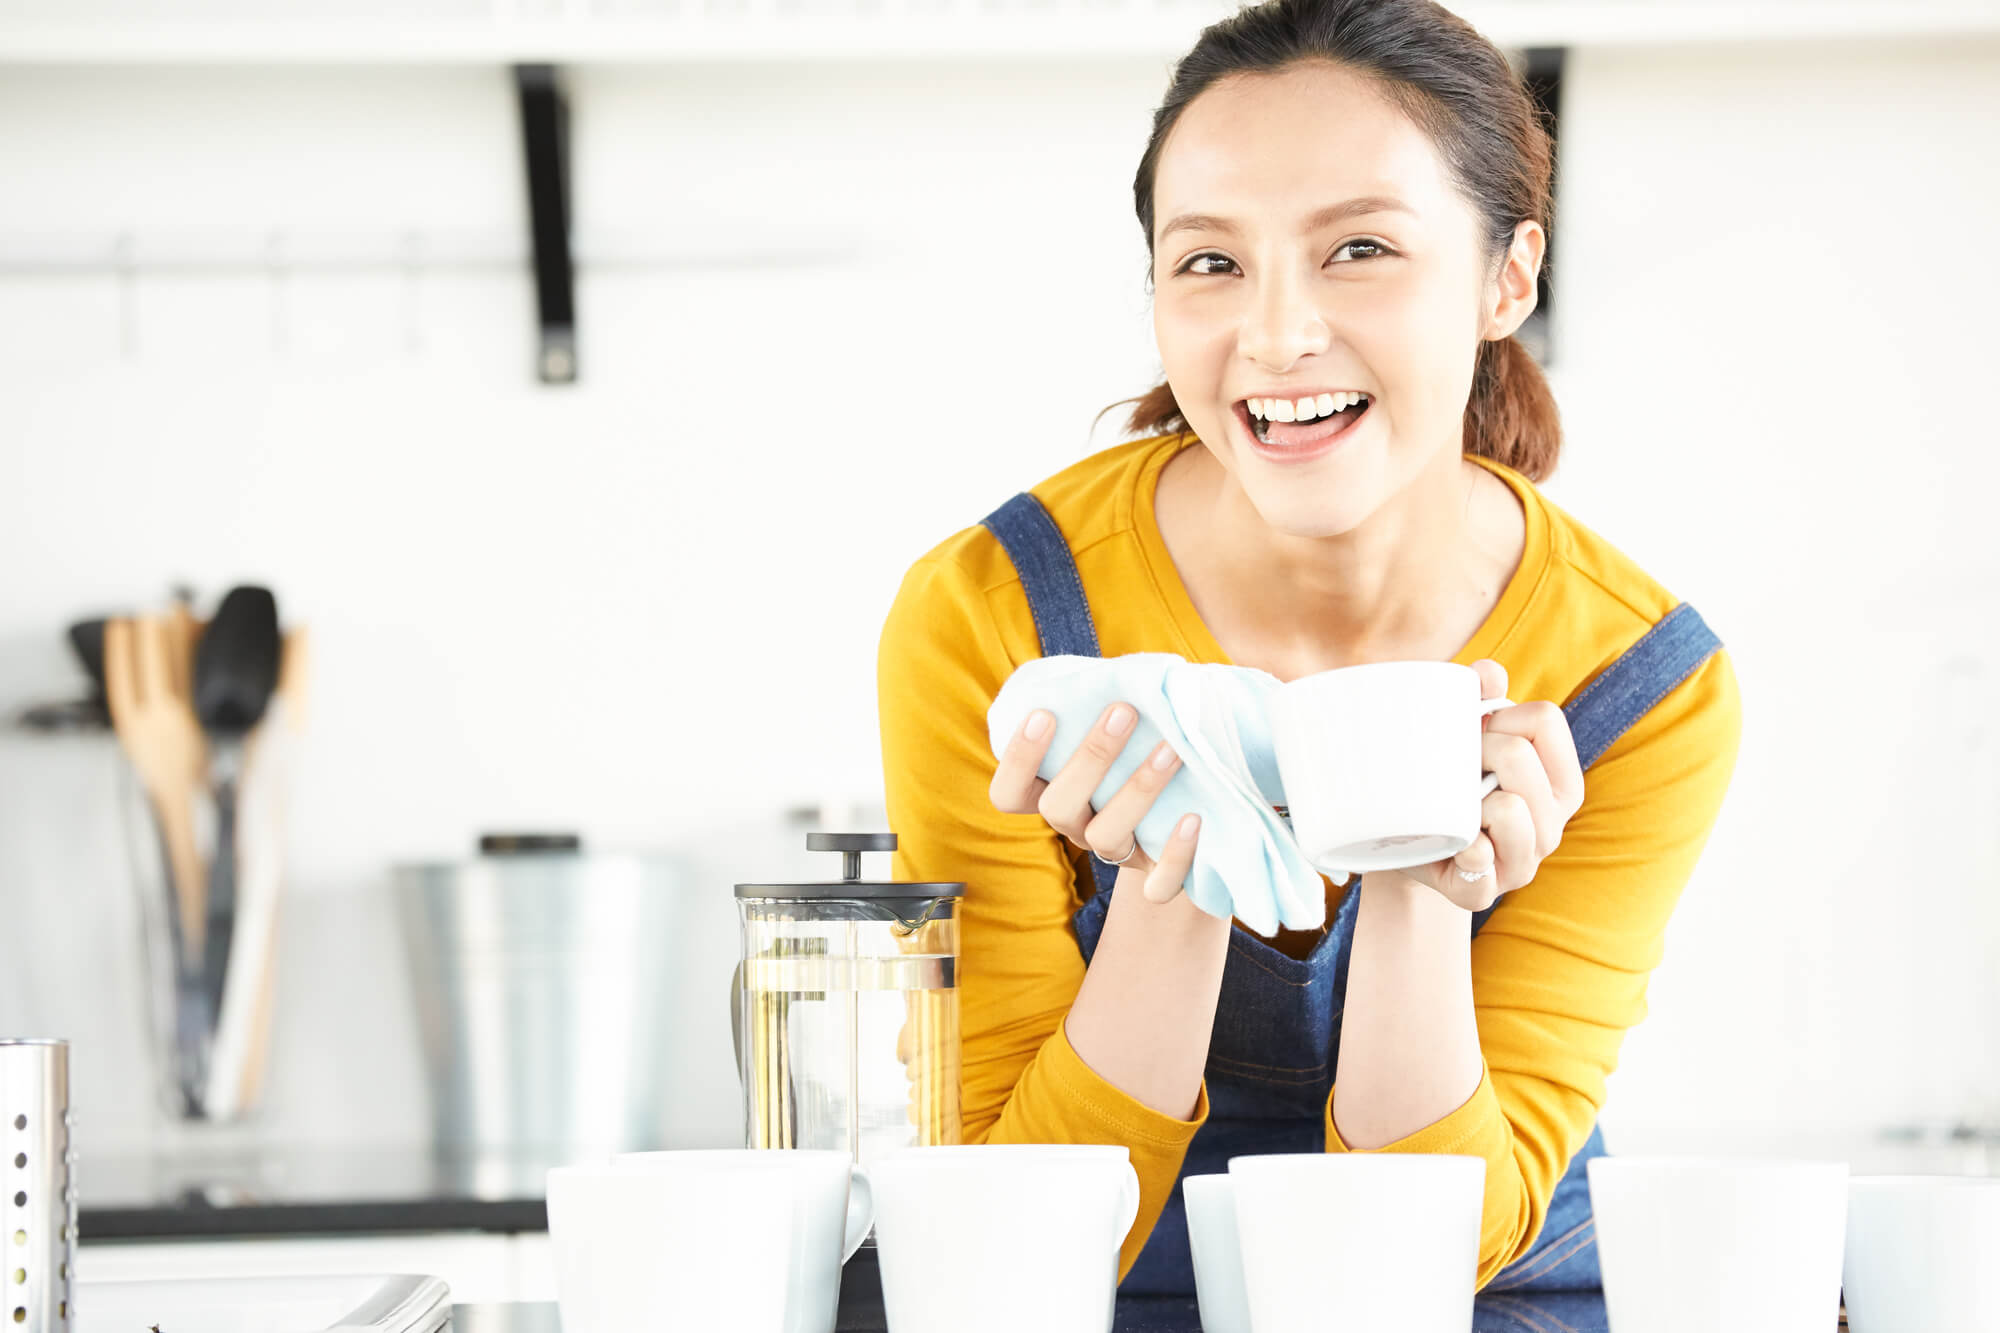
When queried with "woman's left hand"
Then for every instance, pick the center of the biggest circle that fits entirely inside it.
(1522, 820)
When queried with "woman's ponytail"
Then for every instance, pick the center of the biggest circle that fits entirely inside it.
(1511, 414)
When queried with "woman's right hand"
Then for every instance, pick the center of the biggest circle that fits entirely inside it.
(1064, 801)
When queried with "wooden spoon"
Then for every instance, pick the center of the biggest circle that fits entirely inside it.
(144, 673)
(266, 776)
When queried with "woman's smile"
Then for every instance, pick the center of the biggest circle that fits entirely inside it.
(1291, 443)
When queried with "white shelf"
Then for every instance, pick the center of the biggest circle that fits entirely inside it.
(661, 31)
(703, 246)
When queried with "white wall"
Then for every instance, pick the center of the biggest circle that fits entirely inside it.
(639, 608)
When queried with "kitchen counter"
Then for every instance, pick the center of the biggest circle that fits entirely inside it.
(308, 1191)
(861, 1311)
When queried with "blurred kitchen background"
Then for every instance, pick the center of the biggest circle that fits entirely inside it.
(845, 277)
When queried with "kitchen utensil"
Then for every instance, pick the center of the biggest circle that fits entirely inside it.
(236, 664)
(845, 1009)
(86, 640)
(159, 734)
(1744, 1245)
(1359, 1240)
(38, 1201)
(90, 713)
(291, 699)
(960, 1229)
(235, 673)
(660, 1250)
(833, 1208)
(242, 1041)
(545, 985)
(164, 741)
(242, 1026)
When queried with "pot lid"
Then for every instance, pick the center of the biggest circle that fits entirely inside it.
(851, 885)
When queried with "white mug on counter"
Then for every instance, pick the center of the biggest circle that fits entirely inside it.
(1217, 1253)
(832, 1213)
(1725, 1245)
(1359, 1240)
(995, 1238)
(668, 1251)
(1923, 1254)
(1381, 762)
(739, 1238)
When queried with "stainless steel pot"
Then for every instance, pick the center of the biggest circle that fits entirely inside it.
(543, 979)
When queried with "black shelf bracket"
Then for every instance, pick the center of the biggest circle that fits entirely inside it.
(1542, 73)
(545, 153)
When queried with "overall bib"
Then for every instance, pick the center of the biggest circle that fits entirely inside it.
(1277, 1024)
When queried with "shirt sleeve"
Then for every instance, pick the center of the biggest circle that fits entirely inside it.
(1559, 970)
(940, 664)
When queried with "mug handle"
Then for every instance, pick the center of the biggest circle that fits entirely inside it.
(860, 1212)
(1128, 1207)
(1488, 707)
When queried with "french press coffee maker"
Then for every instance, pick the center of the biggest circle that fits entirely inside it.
(846, 1009)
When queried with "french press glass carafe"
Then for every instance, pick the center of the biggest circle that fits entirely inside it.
(846, 1009)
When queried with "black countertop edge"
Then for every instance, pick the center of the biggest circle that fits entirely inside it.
(188, 1221)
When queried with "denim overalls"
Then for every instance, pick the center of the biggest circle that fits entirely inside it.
(1277, 1023)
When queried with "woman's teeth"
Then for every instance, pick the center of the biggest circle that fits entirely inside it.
(1303, 409)
(1264, 411)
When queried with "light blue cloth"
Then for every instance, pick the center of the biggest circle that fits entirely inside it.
(1247, 864)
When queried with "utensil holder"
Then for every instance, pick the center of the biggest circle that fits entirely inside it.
(207, 1058)
(37, 1186)
(183, 1034)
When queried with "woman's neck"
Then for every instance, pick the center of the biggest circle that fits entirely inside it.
(1414, 581)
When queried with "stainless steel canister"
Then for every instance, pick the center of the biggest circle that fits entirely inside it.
(38, 1201)
(544, 988)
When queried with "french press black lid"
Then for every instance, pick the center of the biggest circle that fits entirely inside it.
(851, 885)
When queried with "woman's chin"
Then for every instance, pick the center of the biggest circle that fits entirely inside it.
(1305, 512)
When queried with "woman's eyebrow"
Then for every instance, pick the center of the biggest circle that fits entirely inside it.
(1325, 217)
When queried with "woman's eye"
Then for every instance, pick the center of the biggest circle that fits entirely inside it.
(1375, 249)
(1192, 260)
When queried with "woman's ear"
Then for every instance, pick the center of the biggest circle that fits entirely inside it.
(1511, 296)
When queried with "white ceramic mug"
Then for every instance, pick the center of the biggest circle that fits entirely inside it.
(832, 1211)
(1921, 1254)
(1359, 1240)
(1218, 1254)
(1725, 1245)
(693, 1248)
(1381, 763)
(999, 1238)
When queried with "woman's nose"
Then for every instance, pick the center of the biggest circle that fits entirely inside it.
(1283, 324)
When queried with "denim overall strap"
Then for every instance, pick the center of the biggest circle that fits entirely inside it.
(1622, 693)
(1048, 575)
(1062, 622)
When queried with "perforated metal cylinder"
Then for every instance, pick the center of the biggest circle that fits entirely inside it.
(37, 1187)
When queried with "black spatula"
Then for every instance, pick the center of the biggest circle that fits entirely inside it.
(235, 672)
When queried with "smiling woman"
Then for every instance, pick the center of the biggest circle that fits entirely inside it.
(1344, 205)
(1453, 130)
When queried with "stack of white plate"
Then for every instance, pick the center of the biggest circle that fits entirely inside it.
(395, 1303)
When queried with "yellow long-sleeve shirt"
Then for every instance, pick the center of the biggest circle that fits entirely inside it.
(1558, 972)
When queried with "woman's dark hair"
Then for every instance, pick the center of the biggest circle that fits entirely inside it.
(1458, 88)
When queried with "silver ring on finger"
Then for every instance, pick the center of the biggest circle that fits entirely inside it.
(1473, 877)
(1128, 856)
